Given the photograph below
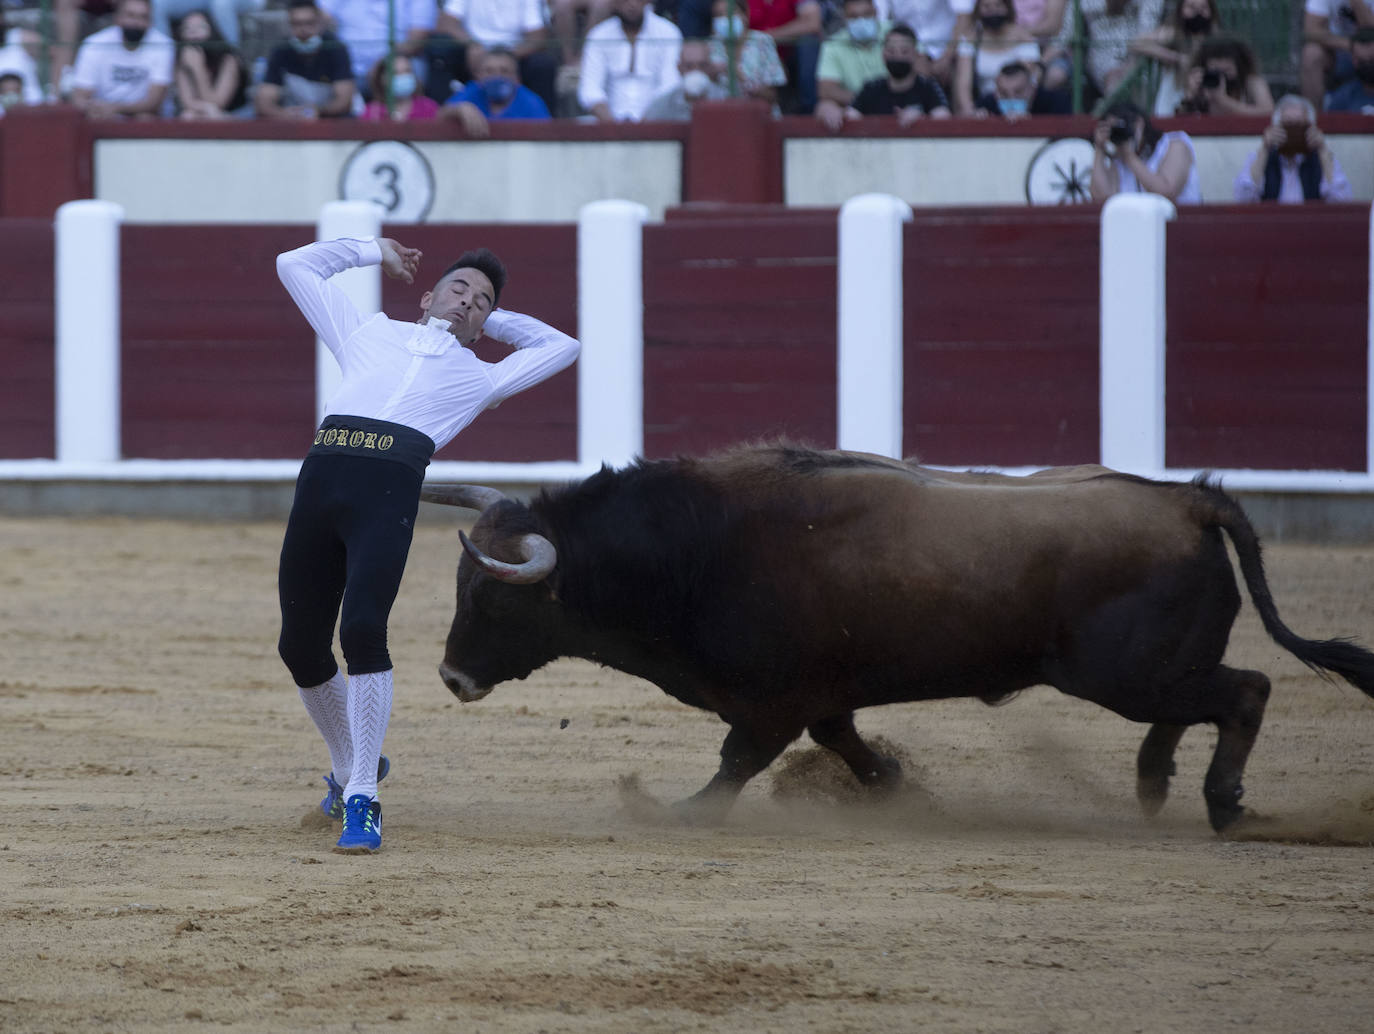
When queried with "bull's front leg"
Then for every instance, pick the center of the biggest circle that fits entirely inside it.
(745, 753)
(874, 770)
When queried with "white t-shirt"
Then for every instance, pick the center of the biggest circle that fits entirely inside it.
(497, 23)
(416, 374)
(933, 20)
(116, 75)
(628, 76)
(363, 26)
(1340, 19)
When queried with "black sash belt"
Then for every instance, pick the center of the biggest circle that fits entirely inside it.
(341, 435)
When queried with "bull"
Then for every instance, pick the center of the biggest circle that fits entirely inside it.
(783, 588)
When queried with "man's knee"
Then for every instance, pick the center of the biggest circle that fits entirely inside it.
(308, 665)
(363, 639)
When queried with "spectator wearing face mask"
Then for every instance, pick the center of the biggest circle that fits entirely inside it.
(853, 56)
(11, 91)
(698, 84)
(1174, 45)
(309, 75)
(396, 95)
(627, 61)
(1224, 80)
(1015, 93)
(496, 93)
(997, 40)
(904, 91)
(758, 69)
(1293, 163)
(126, 68)
(1328, 32)
(1358, 93)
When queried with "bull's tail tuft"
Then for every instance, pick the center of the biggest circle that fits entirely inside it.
(1341, 656)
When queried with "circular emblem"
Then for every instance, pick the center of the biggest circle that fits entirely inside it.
(1059, 173)
(393, 174)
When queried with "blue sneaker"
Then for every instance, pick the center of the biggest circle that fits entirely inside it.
(362, 831)
(333, 803)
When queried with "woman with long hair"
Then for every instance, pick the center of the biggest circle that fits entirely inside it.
(1131, 156)
(211, 78)
(997, 40)
(392, 80)
(1174, 45)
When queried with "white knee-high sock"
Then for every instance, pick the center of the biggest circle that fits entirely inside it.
(369, 709)
(327, 705)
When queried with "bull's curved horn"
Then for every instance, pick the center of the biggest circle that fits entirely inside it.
(540, 558)
(472, 497)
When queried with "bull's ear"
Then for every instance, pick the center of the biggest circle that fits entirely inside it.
(471, 497)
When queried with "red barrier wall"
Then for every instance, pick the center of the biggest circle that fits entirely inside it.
(27, 418)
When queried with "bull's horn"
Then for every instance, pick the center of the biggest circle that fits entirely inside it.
(472, 497)
(540, 558)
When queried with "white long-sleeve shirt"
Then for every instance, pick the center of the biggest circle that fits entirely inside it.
(626, 75)
(414, 374)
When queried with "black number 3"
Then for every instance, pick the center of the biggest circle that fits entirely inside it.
(389, 174)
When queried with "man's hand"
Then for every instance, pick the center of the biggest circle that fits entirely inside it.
(398, 261)
(1273, 137)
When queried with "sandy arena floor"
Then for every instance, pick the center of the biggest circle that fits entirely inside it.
(163, 868)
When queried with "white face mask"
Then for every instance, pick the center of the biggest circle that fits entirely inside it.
(695, 83)
(725, 26)
(863, 30)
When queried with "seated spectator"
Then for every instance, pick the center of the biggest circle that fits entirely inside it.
(1327, 29)
(309, 75)
(365, 29)
(211, 79)
(758, 69)
(996, 40)
(1131, 156)
(515, 25)
(1224, 80)
(392, 82)
(224, 12)
(699, 83)
(1173, 47)
(125, 69)
(1016, 93)
(1110, 27)
(17, 59)
(627, 61)
(939, 25)
(904, 91)
(11, 91)
(794, 26)
(853, 55)
(495, 93)
(1358, 93)
(1293, 164)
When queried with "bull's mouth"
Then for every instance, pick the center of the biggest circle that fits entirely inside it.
(462, 686)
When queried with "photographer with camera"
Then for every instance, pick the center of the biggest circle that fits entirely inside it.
(1131, 156)
(1293, 164)
(1224, 80)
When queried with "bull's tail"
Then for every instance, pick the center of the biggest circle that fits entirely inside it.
(1341, 656)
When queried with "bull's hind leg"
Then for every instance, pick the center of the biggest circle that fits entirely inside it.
(745, 753)
(872, 769)
(1240, 697)
(1155, 764)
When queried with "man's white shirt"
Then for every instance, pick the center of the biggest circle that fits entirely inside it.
(628, 76)
(117, 75)
(414, 374)
(497, 23)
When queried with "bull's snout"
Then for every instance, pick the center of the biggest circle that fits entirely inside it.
(462, 686)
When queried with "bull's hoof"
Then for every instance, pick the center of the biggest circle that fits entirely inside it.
(1223, 807)
(885, 777)
(1152, 793)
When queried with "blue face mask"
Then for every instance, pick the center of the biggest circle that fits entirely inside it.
(726, 25)
(863, 30)
(403, 84)
(1013, 105)
(499, 90)
(307, 46)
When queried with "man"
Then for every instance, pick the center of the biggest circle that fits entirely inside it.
(407, 390)
(852, 56)
(495, 93)
(1358, 93)
(627, 61)
(517, 26)
(698, 84)
(11, 91)
(308, 76)
(1293, 163)
(904, 91)
(365, 28)
(1327, 29)
(124, 69)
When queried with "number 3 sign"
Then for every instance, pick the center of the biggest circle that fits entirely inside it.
(393, 174)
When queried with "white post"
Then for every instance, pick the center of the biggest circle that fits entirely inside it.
(1131, 331)
(1369, 364)
(610, 325)
(87, 331)
(869, 324)
(363, 286)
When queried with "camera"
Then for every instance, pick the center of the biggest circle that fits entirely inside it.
(1122, 131)
(1211, 79)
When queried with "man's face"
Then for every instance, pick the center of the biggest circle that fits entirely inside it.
(859, 9)
(305, 22)
(499, 66)
(899, 48)
(694, 57)
(1015, 85)
(133, 14)
(631, 11)
(1361, 50)
(464, 298)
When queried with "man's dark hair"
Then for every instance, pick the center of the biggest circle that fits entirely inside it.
(486, 263)
(1015, 68)
(902, 29)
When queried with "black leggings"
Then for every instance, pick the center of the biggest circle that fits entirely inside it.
(346, 542)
